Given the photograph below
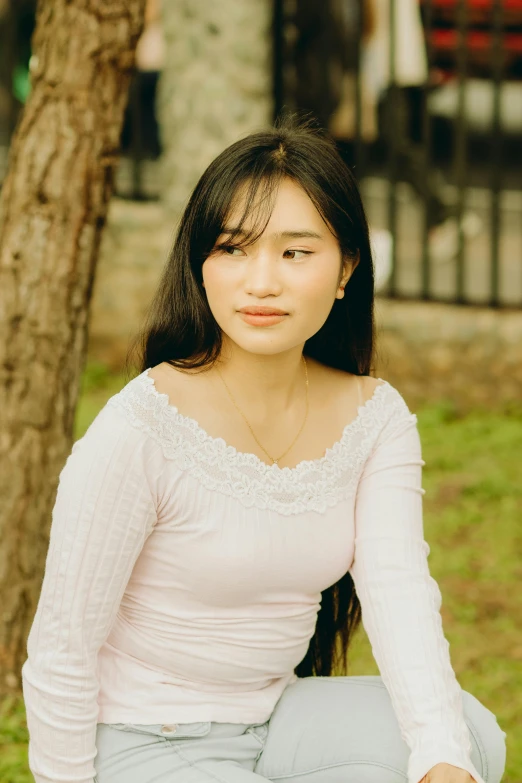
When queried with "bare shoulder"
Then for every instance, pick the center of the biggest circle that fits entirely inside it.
(369, 384)
(176, 382)
(345, 383)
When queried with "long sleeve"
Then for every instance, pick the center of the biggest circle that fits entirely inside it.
(400, 602)
(103, 513)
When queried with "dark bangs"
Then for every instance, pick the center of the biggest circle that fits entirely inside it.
(255, 169)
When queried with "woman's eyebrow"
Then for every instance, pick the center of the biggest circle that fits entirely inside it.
(297, 234)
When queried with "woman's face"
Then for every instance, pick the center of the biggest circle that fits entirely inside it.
(294, 266)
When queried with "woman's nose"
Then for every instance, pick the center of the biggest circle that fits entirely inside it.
(262, 275)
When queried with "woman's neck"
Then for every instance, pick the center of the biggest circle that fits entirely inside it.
(264, 385)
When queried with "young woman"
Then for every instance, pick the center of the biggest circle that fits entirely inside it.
(238, 507)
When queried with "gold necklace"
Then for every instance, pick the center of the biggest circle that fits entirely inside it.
(275, 461)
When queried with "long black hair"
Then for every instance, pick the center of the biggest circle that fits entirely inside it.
(180, 329)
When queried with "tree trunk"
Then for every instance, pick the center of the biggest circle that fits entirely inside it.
(215, 87)
(53, 208)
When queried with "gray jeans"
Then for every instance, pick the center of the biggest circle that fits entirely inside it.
(322, 730)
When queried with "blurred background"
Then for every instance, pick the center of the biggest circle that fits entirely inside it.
(424, 99)
(430, 119)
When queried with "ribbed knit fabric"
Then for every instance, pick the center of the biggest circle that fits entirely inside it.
(183, 580)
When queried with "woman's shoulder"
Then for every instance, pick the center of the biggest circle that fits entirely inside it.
(148, 404)
(383, 406)
(134, 402)
(117, 419)
(363, 387)
(153, 401)
(176, 383)
(124, 419)
(180, 382)
(119, 435)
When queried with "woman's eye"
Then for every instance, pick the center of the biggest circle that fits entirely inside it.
(304, 252)
(226, 248)
(229, 250)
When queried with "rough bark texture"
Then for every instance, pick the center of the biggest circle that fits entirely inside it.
(216, 85)
(52, 211)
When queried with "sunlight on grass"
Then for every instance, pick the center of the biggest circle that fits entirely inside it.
(472, 513)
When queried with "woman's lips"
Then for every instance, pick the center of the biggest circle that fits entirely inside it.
(261, 320)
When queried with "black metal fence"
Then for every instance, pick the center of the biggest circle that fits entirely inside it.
(464, 196)
(441, 173)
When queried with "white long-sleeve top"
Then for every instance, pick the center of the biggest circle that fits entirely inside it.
(183, 580)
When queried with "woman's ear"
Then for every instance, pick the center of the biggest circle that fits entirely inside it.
(355, 261)
(349, 266)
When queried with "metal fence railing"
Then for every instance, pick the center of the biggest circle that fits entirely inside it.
(440, 168)
(443, 177)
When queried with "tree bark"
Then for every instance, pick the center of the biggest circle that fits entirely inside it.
(53, 208)
(215, 86)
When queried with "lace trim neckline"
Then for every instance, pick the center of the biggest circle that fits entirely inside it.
(249, 458)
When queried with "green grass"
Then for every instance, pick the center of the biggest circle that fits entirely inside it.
(98, 384)
(472, 515)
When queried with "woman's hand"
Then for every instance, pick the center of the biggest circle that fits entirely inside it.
(447, 773)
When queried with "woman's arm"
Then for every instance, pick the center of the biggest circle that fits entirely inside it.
(400, 602)
(105, 509)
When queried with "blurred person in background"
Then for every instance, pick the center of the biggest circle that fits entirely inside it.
(326, 62)
(325, 57)
(140, 129)
(394, 109)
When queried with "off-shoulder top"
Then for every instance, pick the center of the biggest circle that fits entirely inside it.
(183, 580)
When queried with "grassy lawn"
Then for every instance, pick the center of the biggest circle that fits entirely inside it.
(472, 521)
